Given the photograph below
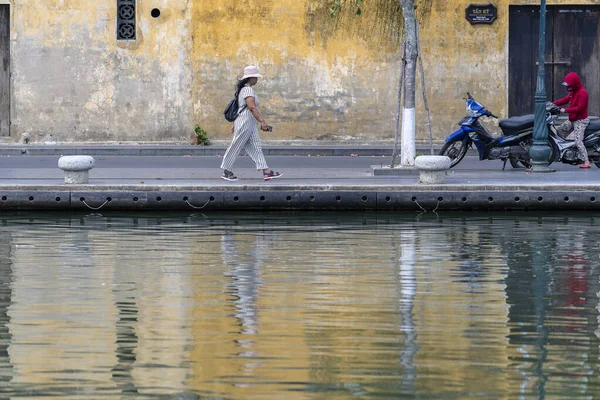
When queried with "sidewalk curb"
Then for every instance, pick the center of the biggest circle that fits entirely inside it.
(188, 150)
(420, 198)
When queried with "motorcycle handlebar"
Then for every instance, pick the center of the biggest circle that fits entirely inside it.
(552, 108)
(489, 114)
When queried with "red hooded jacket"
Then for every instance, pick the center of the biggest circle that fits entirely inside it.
(578, 98)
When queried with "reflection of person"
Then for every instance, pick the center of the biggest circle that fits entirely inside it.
(578, 114)
(244, 269)
(575, 283)
(245, 133)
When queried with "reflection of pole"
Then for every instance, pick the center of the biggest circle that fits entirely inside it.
(408, 285)
(540, 151)
(540, 262)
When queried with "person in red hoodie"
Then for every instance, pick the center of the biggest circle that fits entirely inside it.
(578, 114)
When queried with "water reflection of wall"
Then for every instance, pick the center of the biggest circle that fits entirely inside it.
(290, 311)
(551, 287)
(438, 306)
(259, 343)
(352, 308)
(127, 340)
(61, 305)
(459, 308)
(350, 296)
(94, 303)
(156, 285)
(6, 276)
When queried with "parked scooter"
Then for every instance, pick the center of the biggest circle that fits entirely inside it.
(512, 146)
(564, 150)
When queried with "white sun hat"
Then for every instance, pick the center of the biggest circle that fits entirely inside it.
(251, 72)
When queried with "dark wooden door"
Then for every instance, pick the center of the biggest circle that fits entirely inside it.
(523, 49)
(579, 44)
(4, 70)
(572, 44)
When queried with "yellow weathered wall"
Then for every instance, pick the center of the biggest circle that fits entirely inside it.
(316, 83)
(323, 83)
(72, 80)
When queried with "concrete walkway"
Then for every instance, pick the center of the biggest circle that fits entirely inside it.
(185, 182)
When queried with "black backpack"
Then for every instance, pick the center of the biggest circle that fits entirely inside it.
(232, 111)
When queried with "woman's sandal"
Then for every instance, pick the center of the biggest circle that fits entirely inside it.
(271, 175)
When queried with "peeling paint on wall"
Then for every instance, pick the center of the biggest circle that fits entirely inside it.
(323, 82)
(314, 77)
(73, 81)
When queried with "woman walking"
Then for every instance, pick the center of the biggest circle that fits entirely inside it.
(245, 132)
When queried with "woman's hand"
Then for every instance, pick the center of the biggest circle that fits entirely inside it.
(562, 110)
(254, 110)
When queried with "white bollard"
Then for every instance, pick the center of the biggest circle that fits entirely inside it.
(76, 168)
(432, 169)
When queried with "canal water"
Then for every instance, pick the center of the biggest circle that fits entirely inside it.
(300, 306)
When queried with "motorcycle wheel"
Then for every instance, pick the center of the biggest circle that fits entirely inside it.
(527, 164)
(554, 153)
(455, 151)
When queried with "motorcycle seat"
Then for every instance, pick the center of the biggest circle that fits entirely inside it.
(517, 123)
(594, 126)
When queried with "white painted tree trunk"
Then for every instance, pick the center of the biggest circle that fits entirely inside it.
(408, 151)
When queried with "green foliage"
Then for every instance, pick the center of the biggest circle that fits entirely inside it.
(388, 10)
(376, 24)
(336, 6)
(202, 136)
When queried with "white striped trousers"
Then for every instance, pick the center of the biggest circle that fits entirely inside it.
(245, 137)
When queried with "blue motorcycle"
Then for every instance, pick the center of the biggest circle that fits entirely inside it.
(513, 145)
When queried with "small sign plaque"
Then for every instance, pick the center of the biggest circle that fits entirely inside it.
(481, 13)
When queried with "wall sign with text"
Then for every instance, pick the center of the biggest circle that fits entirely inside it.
(481, 13)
